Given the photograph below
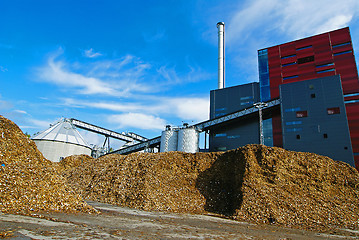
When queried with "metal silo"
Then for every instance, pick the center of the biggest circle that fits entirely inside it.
(61, 140)
(169, 139)
(188, 140)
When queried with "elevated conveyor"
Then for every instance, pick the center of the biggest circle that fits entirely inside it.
(203, 126)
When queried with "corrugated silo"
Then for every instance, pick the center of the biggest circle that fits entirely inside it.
(169, 139)
(61, 140)
(188, 140)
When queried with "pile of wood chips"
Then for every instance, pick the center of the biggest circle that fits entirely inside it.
(28, 182)
(254, 183)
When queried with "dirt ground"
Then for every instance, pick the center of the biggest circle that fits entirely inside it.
(124, 223)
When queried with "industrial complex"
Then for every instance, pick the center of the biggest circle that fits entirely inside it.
(306, 99)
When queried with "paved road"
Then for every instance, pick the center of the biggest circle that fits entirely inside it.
(124, 223)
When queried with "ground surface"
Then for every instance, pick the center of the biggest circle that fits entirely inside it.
(124, 223)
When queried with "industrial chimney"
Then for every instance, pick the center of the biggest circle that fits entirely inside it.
(220, 26)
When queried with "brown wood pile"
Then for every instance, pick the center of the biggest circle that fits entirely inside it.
(254, 183)
(28, 182)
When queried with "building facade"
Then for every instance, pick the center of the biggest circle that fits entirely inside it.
(317, 75)
(229, 100)
(323, 55)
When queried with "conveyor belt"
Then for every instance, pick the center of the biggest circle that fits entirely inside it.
(202, 126)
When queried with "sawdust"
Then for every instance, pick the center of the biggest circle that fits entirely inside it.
(266, 185)
(29, 182)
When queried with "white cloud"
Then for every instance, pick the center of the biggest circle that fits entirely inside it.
(185, 108)
(91, 54)
(296, 18)
(112, 78)
(137, 120)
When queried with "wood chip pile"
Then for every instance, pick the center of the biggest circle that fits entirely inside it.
(28, 182)
(254, 183)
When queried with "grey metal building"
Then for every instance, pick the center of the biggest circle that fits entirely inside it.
(229, 100)
(314, 118)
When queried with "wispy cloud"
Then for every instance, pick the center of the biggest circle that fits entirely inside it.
(117, 78)
(296, 18)
(91, 54)
(137, 120)
(3, 69)
(184, 108)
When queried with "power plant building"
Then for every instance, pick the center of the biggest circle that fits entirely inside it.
(316, 79)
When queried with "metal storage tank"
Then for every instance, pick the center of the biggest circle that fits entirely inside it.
(188, 140)
(169, 139)
(61, 140)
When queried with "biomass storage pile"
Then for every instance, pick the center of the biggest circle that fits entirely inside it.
(253, 183)
(29, 182)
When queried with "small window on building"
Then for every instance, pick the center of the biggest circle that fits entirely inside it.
(288, 64)
(305, 60)
(325, 135)
(341, 44)
(312, 95)
(220, 135)
(341, 53)
(298, 136)
(301, 114)
(290, 77)
(334, 110)
(345, 148)
(289, 56)
(306, 47)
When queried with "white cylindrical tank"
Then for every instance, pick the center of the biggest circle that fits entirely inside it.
(188, 140)
(169, 139)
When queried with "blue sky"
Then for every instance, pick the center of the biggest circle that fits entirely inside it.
(139, 65)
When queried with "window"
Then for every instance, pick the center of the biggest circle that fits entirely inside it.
(341, 44)
(334, 110)
(293, 123)
(301, 114)
(327, 70)
(292, 109)
(305, 60)
(306, 47)
(341, 53)
(220, 135)
(345, 148)
(288, 64)
(298, 136)
(289, 56)
(324, 65)
(290, 77)
(312, 95)
(294, 129)
(325, 135)
(233, 136)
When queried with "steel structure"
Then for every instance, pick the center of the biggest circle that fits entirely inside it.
(202, 126)
(127, 137)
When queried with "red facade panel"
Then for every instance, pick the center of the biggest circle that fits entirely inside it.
(332, 54)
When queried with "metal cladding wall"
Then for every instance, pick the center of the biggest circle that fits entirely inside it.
(323, 55)
(55, 150)
(228, 100)
(315, 120)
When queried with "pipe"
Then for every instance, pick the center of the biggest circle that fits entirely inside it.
(221, 79)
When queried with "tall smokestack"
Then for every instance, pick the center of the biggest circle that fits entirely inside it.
(221, 79)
